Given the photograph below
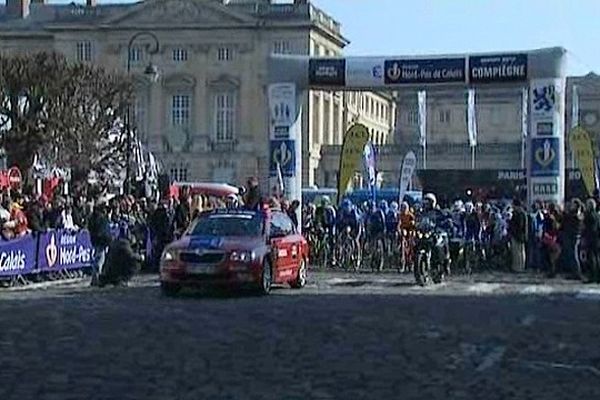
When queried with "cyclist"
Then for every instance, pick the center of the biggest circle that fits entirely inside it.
(472, 225)
(348, 217)
(325, 220)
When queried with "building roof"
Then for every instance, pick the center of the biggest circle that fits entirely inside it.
(43, 17)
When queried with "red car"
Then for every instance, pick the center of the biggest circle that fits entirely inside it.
(234, 248)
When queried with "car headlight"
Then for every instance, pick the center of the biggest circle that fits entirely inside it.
(170, 255)
(242, 256)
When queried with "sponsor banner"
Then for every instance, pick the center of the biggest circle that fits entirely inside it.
(283, 157)
(63, 249)
(583, 151)
(282, 107)
(545, 95)
(511, 175)
(327, 72)
(545, 157)
(544, 129)
(352, 149)
(545, 189)
(364, 72)
(498, 68)
(409, 164)
(472, 118)
(440, 70)
(17, 256)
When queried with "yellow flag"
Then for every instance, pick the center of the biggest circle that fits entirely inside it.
(354, 142)
(583, 151)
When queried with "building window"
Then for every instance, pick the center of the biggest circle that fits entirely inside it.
(282, 47)
(179, 173)
(84, 51)
(135, 54)
(224, 54)
(180, 110)
(444, 116)
(180, 55)
(224, 116)
(412, 117)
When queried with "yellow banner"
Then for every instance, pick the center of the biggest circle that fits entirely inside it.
(583, 151)
(350, 160)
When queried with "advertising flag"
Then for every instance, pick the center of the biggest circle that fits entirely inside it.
(472, 118)
(409, 164)
(422, 101)
(524, 111)
(583, 151)
(354, 143)
(370, 168)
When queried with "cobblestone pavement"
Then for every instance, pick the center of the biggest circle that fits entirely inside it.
(343, 337)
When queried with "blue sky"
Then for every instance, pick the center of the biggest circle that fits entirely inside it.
(404, 27)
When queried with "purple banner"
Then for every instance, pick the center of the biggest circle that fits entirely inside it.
(17, 256)
(62, 249)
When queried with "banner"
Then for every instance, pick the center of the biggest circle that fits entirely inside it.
(415, 71)
(352, 149)
(327, 72)
(63, 249)
(364, 72)
(422, 100)
(370, 168)
(17, 256)
(583, 151)
(472, 118)
(282, 105)
(409, 164)
(498, 68)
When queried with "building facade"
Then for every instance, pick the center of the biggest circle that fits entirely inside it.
(206, 117)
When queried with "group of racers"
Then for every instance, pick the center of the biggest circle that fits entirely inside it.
(485, 226)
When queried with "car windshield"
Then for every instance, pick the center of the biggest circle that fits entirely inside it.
(227, 225)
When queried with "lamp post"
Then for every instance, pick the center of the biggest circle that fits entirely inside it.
(150, 70)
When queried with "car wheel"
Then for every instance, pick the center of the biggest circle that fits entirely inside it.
(266, 279)
(300, 280)
(169, 289)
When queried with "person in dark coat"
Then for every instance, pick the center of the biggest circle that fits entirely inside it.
(121, 261)
(571, 231)
(161, 227)
(293, 212)
(100, 237)
(182, 213)
(35, 217)
(517, 229)
(253, 197)
(591, 235)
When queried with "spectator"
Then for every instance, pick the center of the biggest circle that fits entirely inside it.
(182, 213)
(65, 219)
(253, 195)
(517, 230)
(570, 237)
(35, 217)
(293, 212)
(17, 225)
(100, 236)
(550, 238)
(5, 208)
(591, 235)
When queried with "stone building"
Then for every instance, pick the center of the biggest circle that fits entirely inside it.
(206, 116)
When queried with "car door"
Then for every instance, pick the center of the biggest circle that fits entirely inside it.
(282, 244)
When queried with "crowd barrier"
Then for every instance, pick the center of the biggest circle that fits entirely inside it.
(51, 251)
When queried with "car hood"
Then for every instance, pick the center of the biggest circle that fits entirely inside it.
(229, 243)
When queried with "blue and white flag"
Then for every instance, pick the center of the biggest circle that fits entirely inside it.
(370, 167)
(472, 118)
(422, 101)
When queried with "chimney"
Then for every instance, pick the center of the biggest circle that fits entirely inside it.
(91, 3)
(18, 8)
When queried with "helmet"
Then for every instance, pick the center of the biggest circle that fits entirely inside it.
(469, 207)
(325, 201)
(347, 204)
(394, 206)
(458, 206)
(430, 197)
(404, 206)
(383, 204)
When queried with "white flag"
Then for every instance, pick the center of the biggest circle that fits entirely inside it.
(422, 101)
(575, 108)
(472, 119)
(524, 111)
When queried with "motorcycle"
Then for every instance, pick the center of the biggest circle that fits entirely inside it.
(432, 253)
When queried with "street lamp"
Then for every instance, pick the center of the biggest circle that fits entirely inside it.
(152, 72)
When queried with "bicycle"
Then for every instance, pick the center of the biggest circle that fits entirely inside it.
(348, 251)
